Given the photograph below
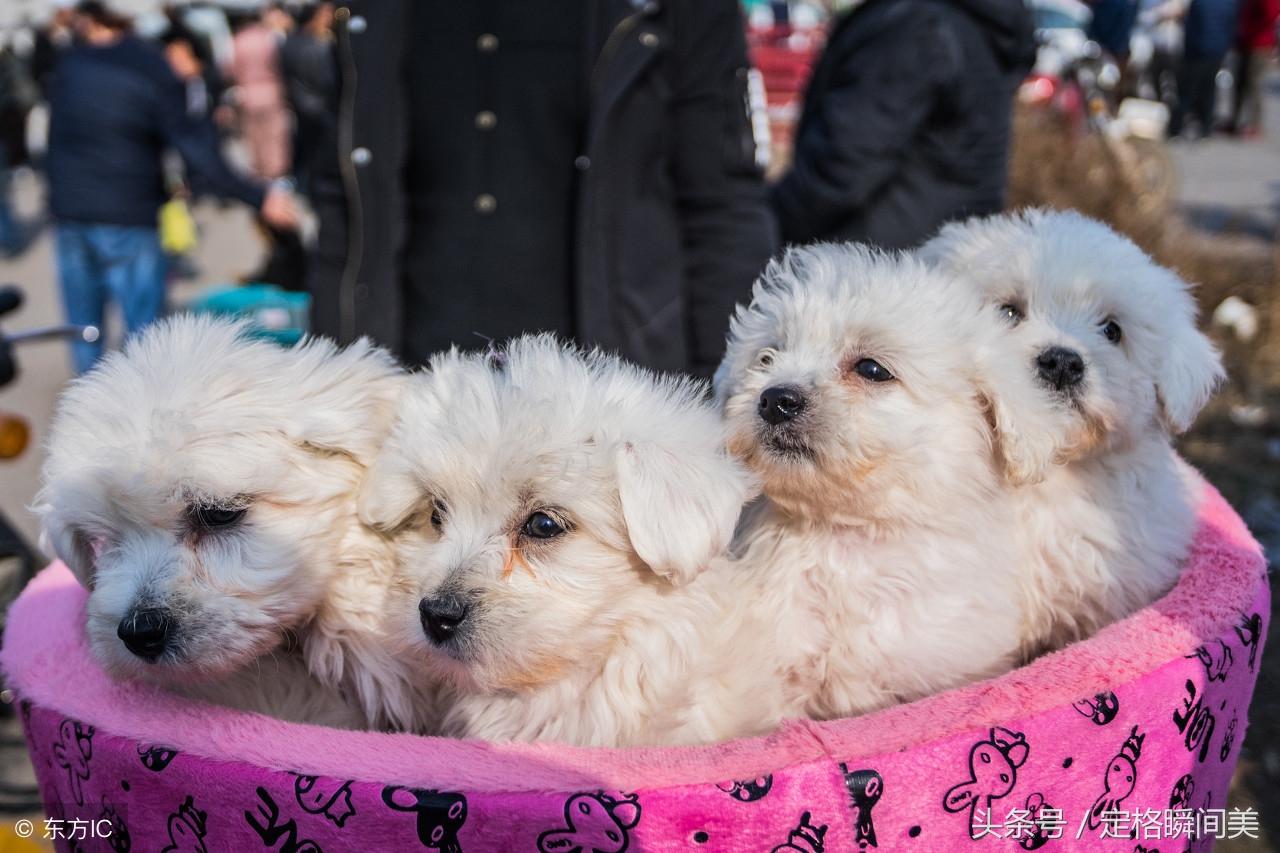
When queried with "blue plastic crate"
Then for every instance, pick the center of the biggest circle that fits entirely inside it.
(274, 314)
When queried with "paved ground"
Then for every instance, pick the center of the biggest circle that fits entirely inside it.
(1229, 184)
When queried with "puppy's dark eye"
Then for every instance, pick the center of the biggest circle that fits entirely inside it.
(437, 514)
(1011, 314)
(1111, 329)
(216, 517)
(541, 526)
(872, 370)
(765, 359)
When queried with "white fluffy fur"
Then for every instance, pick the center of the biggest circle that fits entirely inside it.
(883, 550)
(1107, 510)
(193, 411)
(612, 633)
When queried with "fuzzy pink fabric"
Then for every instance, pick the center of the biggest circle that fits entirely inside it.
(1147, 715)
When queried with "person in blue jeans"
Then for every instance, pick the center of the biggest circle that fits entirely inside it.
(115, 106)
(100, 262)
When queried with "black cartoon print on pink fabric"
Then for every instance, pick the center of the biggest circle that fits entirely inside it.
(156, 758)
(441, 814)
(1216, 657)
(1119, 780)
(1228, 739)
(72, 752)
(594, 823)
(1102, 708)
(1249, 630)
(1195, 721)
(749, 790)
(993, 771)
(187, 829)
(274, 830)
(865, 788)
(321, 795)
(1138, 848)
(118, 838)
(1036, 835)
(1180, 796)
(805, 838)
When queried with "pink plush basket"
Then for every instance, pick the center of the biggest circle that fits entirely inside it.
(1146, 717)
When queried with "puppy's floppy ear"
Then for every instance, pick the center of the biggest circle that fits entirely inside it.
(1187, 374)
(389, 493)
(1023, 455)
(70, 544)
(680, 509)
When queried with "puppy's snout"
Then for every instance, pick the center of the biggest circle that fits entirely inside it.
(146, 633)
(781, 403)
(442, 616)
(1060, 367)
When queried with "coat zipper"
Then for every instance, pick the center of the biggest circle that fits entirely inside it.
(351, 183)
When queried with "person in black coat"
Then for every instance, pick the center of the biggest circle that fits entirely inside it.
(516, 165)
(906, 121)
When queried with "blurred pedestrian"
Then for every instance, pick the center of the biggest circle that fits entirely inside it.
(1209, 34)
(115, 107)
(261, 111)
(511, 166)
(264, 121)
(1256, 42)
(197, 79)
(311, 83)
(1163, 20)
(906, 121)
(18, 94)
(51, 41)
(1112, 26)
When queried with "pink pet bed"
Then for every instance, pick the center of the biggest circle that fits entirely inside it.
(1145, 718)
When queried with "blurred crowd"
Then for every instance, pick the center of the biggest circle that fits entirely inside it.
(1204, 60)
(475, 170)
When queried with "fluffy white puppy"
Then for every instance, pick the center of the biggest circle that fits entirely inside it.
(553, 513)
(1097, 363)
(883, 549)
(202, 485)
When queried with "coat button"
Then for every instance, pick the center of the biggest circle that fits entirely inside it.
(357, 24)
(486, 119)
(361, 156)
(486, 203)
(648, 39)
(582, 162)
(487, 43)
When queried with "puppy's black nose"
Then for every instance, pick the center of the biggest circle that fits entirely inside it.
(1060, 367)
(441, 617)
(781, 403)
(146, 633)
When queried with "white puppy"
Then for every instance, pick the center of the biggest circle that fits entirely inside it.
(851, 388)
(202, 485)
(553, 514)
(1098, 362)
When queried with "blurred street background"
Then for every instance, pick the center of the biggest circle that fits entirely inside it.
(1090, 130)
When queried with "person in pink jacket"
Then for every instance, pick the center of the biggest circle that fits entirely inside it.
(260, 102)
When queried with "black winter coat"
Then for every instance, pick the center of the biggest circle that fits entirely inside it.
(671, 221)
(906, 121)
